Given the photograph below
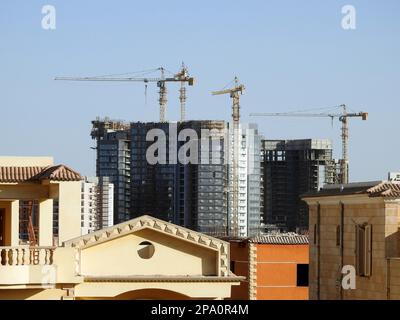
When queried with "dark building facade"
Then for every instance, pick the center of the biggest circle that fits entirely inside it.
(152, 186)
(193, 194)
(113, 161)
(289, 169)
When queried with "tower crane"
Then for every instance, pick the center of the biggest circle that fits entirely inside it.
(234, 93)
(182, 76)
(343, 117)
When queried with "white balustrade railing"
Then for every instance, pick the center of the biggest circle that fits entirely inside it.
(26, 256)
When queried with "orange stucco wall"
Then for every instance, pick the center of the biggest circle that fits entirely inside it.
(276, 271)
(295, 293)
(282, 253)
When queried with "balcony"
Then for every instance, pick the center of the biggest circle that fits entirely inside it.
(26, 256)
(37, 266)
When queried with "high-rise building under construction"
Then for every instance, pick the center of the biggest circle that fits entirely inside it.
(289, 169)
(195, 194)
(188, 194)
(113, 161)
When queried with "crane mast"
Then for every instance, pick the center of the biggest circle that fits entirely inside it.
(344, 162)
(182, 99)
(183, 77)
(234, 93)
(343, 177)
(163, 100)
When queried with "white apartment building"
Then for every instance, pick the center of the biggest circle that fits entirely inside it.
(249, 183)
(97, 197)
(105, 202)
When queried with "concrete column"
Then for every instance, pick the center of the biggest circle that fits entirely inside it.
(14, 223)
(46, 222)
(69, 216)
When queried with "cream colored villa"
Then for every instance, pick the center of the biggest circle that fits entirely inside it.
(355, 227)
(43, 256)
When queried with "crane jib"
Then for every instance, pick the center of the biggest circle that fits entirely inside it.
(182, 76)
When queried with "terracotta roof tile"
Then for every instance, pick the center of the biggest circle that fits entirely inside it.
(373, 189)
(59, 173)
(386, 190)
(280, 238)
(25, 174)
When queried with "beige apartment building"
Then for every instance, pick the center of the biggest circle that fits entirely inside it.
(355, 225)
(144, 258)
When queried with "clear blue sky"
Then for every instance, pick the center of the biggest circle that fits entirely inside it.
(290, 55)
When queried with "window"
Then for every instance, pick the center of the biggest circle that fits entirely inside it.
(338, 236)
(364, 250)
(302, 275)
(145, 250)
(315, 234)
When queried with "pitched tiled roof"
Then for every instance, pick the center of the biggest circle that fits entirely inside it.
(25, 174)
(385, 189)
(18, 174)
(373, 189)
(148, 222)
(59, 173)
(280, 238)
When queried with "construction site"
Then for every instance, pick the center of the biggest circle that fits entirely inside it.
(223, 199)
(168, 151)
(294, 167)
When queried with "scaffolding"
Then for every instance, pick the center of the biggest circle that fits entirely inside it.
(29, 222)
(101, 126)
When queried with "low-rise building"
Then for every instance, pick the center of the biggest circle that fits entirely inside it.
(275, 267)
(355, 241)
(143, 258)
